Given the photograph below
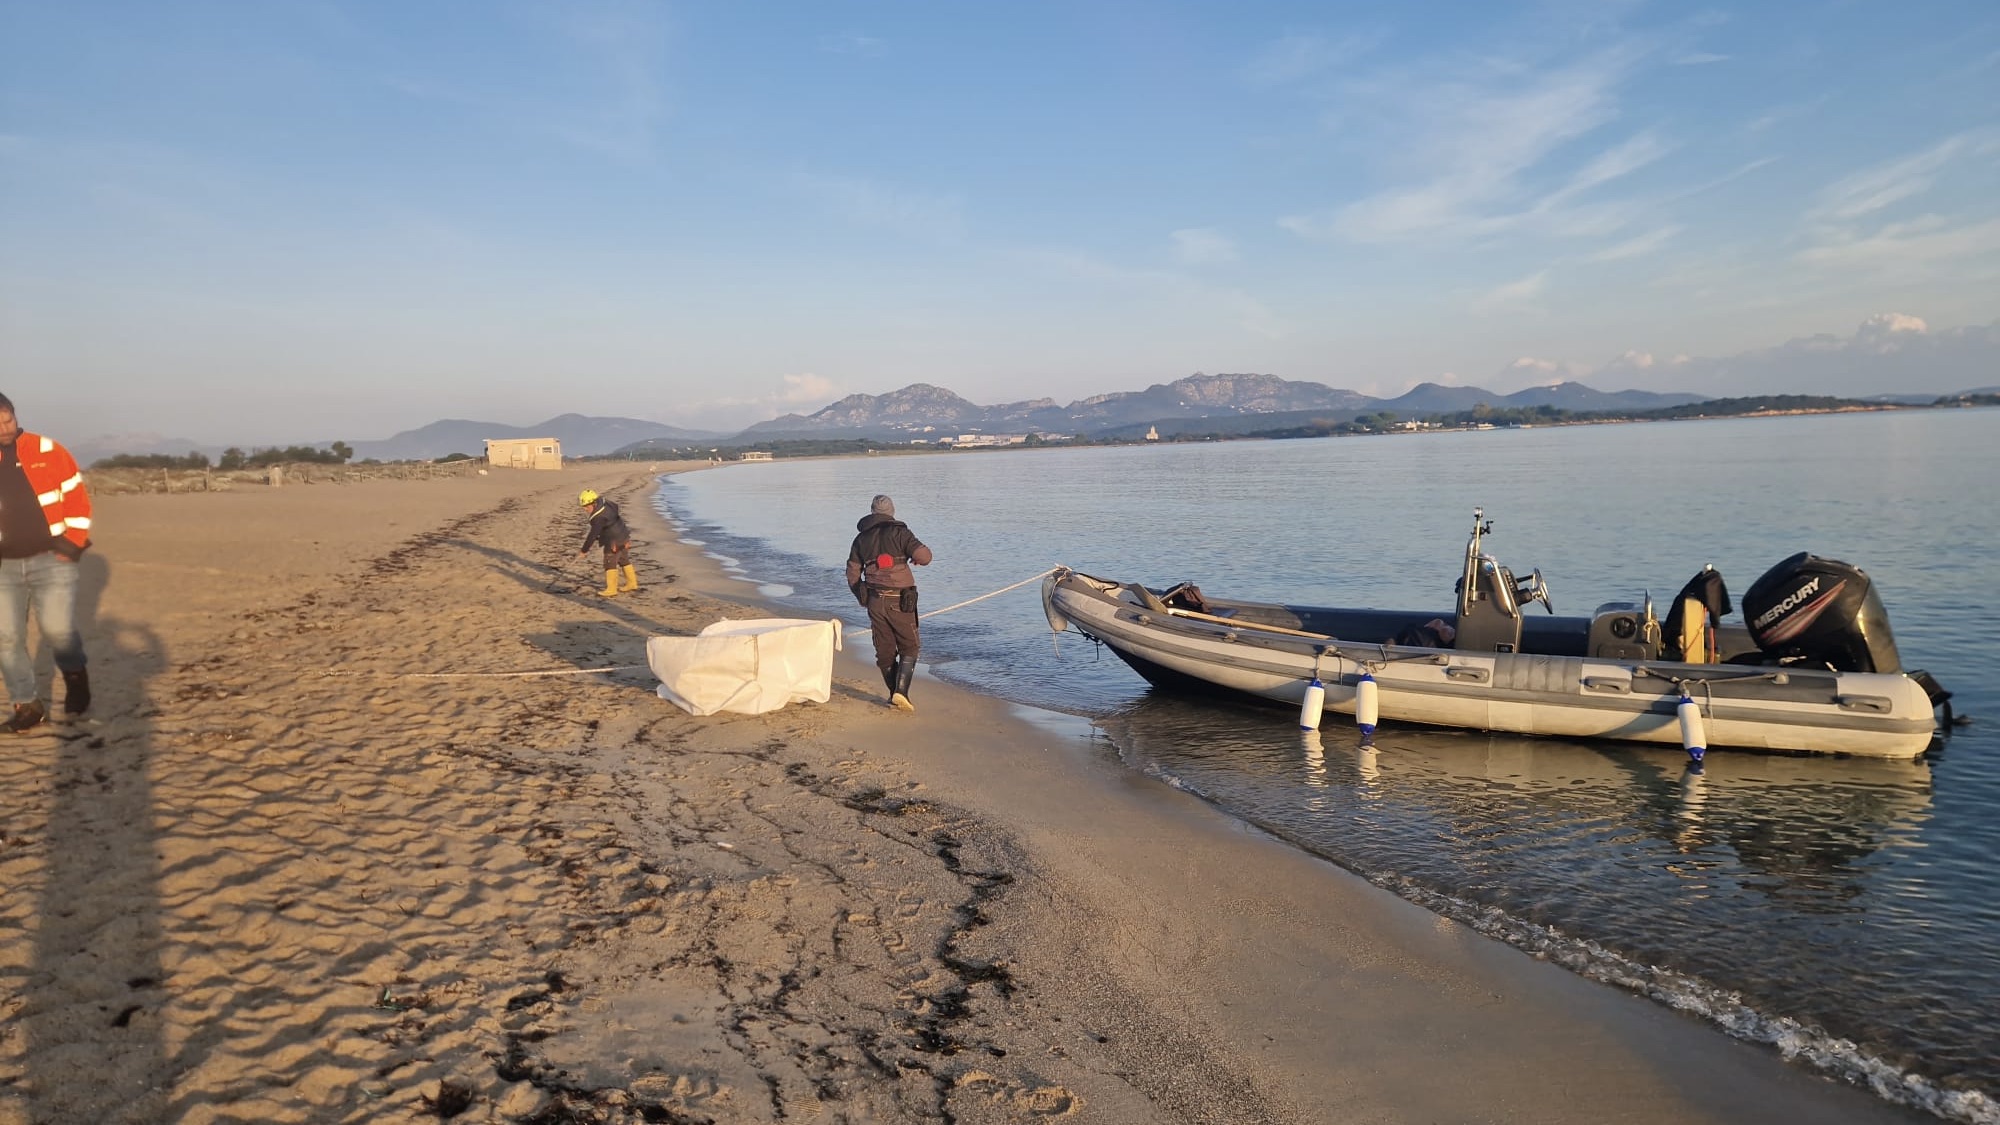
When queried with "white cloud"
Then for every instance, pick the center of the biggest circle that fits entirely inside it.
(1700, 58)
(1203, 246)
(805, 392)
(807, 388)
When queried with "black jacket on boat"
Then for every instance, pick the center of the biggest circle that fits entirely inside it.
(880, 535)
(606, 526)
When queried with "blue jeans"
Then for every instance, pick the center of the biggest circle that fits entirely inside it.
(47, 584)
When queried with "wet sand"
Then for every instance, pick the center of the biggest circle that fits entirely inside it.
(323, 853)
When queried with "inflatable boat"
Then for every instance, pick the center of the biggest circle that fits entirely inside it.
(1812, 667)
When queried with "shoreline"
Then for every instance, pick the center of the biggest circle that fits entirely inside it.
(297, 883)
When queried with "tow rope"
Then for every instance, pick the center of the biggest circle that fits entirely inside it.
(634, 667)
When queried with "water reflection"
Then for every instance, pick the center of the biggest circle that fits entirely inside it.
(1737, 878)
(1797, 828)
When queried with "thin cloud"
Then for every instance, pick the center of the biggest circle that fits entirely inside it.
(1648, 243)
(1515, 296)
(1701, 58)
(934, 218)
(612, 52)
(1295, 58)
(1614, 163)
(853, 43)
(1873, 189)
(1241, 309)
(1778, 115)
(1203, 246)
(1916, 247)
(1482, 136)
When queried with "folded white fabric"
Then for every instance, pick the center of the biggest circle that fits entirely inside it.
(748, 667)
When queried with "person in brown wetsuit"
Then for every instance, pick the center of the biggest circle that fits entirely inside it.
(878, 571)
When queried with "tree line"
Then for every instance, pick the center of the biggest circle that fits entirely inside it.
(232, 458)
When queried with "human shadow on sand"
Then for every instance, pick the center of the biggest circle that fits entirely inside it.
(91, 1011)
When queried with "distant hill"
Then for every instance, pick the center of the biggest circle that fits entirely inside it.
(89, 450)
(1576, 396)
(925, 411)
(581, 436)
(1220, 404)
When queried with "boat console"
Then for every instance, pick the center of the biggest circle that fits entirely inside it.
(1490, 597)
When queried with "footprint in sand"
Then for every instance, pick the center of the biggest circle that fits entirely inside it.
(1038, 1101)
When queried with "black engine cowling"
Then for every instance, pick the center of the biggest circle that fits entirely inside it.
(1822, 611)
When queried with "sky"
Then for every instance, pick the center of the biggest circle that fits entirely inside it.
(266, 221)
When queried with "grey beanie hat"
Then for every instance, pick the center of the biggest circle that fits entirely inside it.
(883, 506)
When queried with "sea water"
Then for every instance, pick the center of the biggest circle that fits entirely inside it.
(1844, 911)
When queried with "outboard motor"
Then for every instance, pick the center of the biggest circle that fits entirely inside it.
(1822, 611)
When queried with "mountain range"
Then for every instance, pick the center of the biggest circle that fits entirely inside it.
(1225, 403)
(1196, 403)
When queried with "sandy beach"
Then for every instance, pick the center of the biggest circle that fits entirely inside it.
(327, 851)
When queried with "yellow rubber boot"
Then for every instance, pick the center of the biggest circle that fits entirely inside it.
(610, 585)
(631, 580)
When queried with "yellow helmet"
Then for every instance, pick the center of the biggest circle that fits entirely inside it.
(587, 498)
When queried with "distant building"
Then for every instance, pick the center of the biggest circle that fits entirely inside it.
(987, 441)
(1152, 433)
(524, 453)
(756, 455)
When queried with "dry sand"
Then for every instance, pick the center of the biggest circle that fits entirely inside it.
(284, 873)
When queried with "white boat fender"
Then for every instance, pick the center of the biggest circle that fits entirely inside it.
(1693, 739)
(1315, 703)
(1367, 708)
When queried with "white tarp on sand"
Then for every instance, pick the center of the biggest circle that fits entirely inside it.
(749, 667)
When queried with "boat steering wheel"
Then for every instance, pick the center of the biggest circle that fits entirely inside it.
(1535, 589)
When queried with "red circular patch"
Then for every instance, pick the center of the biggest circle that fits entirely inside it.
(884, 562)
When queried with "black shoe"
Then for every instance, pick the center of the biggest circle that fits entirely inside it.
(76, 692)
(27, 716)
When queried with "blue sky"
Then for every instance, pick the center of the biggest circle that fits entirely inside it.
(268, 220)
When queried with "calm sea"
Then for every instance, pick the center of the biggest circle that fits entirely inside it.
(1846, 912)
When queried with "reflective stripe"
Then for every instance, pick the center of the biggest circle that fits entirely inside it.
(81, 523)
(48, 445)
(72, 483)
(55, 529)
(48, 498)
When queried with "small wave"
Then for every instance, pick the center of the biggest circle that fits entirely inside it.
(727, 562)
(693, 542)
(776, 590)
(1796, 1041)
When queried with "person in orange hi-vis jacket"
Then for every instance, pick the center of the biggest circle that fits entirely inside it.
(44, 530)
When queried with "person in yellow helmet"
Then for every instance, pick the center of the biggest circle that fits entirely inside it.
(608, 527)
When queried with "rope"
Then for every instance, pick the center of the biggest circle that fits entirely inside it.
(491, 675)
(632, 667)
(996, 593)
